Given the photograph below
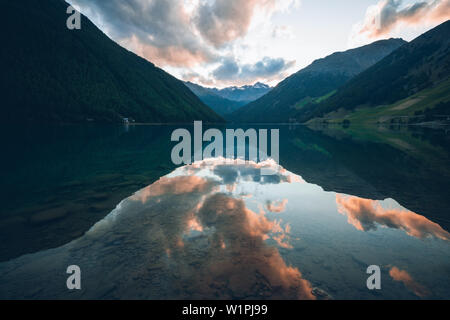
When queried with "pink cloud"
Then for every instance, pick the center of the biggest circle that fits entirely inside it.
(409, 282)
(382, 18)
(174, 186)
(277, 206)
(223, 21)
(244, 233)
(176, 33)
(173, 55)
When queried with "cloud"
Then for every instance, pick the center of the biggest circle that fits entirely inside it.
(149, 247)
(404, 277)
(173, 186)
(277, 206)
(159, 30)
(266, 69)
(177, 33)
(241, 235)
(229, 69)
(232, 235)
(223, 21)
(170, 55)
(387, 15)
(196, 77)
(365, 214)
(284, 32)
(193, 224)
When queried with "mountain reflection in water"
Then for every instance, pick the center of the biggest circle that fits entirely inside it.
(219, 230)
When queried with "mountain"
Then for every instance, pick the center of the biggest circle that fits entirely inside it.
(227, 100)
(245, 93)
(315, 83)
(414, 79)
(211, 98)
(53, 74)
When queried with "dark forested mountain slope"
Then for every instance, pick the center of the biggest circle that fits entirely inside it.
(315, 82)
(53, 74)
(420, 64)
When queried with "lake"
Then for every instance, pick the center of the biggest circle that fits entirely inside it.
(110, 200)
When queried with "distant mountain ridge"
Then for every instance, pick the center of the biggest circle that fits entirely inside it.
(246, 93)
(316, 82)
(53, 74)
(227, 100)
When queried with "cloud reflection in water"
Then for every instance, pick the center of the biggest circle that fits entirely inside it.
(365, 215)
(213, 230)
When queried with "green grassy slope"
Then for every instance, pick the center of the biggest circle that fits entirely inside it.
(420, 107)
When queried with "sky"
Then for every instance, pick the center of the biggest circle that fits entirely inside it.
(220, 43)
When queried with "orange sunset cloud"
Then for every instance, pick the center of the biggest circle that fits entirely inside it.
(409, 282)
(387, 15)
(365, 214)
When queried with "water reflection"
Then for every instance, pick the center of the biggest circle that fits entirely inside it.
(57, 182)
(367, 215)
(220, 230)
(404, 277)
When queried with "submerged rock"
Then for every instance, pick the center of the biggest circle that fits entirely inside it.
(321, 294)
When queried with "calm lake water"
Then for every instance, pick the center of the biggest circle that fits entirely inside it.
(109, 199)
